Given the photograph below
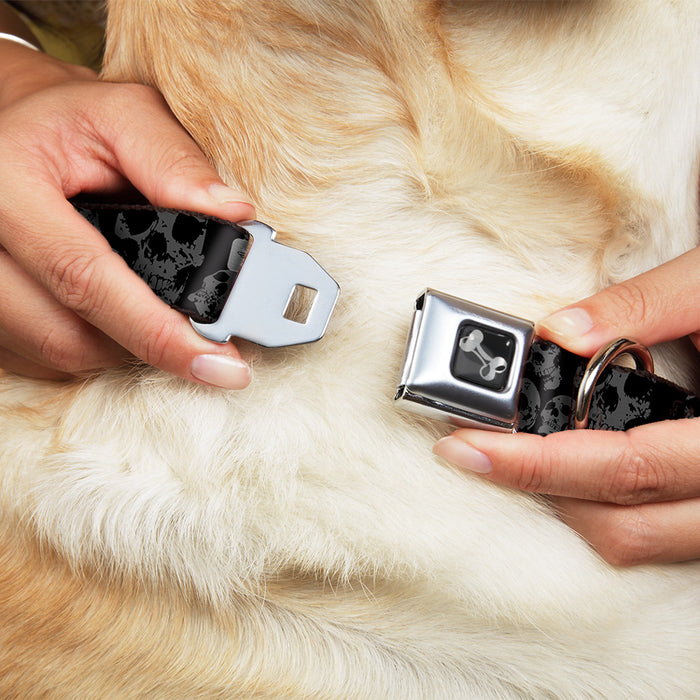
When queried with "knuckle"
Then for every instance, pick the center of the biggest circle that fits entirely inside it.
(63, 351)
(630, 301)
(637, 478)
(178, 164)
(73, 281)
(157, 343)
(180, 161)
(629, 538)
(532, 471)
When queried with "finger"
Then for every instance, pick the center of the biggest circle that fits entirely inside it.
(154, 152)
(654, 307)
(654, 462)
(644, 534)
(17, 364)
(56, 246)
(35, 326)
(93, 136)
(77, 266)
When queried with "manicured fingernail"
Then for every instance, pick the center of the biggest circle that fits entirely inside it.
(225, 195)
(463, 455)
(569, 323)
(221, 370)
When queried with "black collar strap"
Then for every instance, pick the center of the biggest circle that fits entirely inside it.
(477, 367)
(464, 363)
(622, 398)
(230, 279)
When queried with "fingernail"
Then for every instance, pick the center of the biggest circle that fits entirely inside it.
(221, 370)
(569, 323)
(463, 455)
(226, 195)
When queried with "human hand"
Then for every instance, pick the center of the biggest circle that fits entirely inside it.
(634, 495)
(68, 304)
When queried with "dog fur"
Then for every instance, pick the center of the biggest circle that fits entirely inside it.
(298, 539)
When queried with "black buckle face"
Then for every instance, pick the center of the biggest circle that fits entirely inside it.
(464, 363)
(483, 356)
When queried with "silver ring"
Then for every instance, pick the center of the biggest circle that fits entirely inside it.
(598, 363)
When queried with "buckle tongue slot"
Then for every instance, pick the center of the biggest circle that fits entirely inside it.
(300, 304)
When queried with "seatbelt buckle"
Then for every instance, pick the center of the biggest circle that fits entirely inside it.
(258, 305)
(464, 363)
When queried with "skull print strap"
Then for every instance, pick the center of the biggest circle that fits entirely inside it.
(230, 279)
(477, 367)
(189, 261)
(621, 398)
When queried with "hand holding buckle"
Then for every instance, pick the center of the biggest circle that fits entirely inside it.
(210, 270)
(479, 368)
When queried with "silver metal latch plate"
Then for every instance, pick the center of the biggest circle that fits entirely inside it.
(256, 308)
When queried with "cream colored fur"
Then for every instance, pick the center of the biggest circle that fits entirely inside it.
(298, 539)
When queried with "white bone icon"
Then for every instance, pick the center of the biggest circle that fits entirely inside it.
(490, 366)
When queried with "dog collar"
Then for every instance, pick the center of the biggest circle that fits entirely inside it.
(476, 367)
(464, 363)
(230, 279)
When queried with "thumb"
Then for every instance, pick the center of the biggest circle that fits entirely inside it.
(656, 306)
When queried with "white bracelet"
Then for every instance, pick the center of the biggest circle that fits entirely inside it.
(18, 40)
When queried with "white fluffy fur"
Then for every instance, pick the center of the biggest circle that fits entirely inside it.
(522, 156)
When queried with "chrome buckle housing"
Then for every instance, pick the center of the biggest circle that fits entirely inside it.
(256, 306)
(464, 363)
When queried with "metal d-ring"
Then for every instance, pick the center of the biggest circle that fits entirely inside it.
(597, 364)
